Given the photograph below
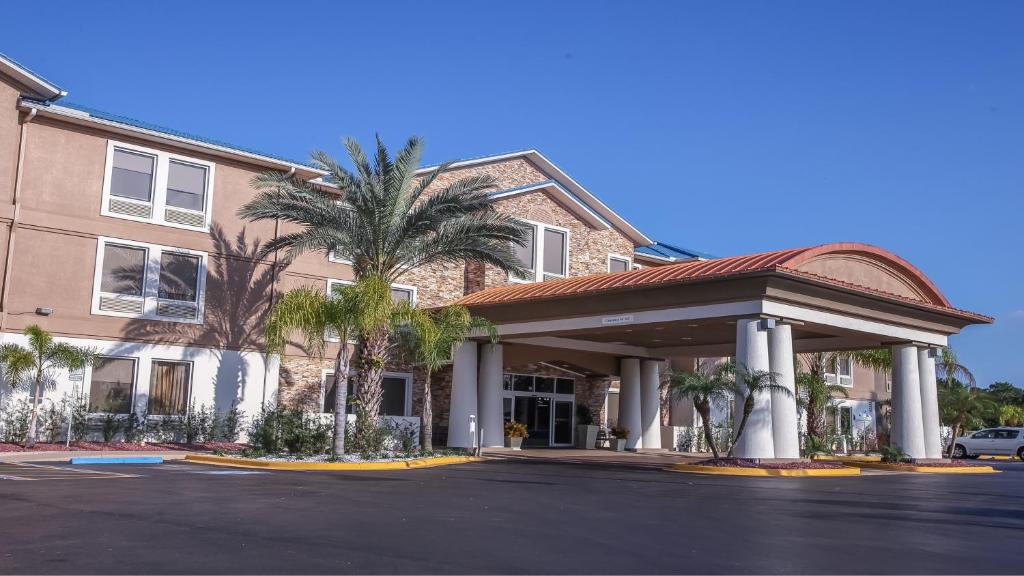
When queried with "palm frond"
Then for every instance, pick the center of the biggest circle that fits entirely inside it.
(17, 362)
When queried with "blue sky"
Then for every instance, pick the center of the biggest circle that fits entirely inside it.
(725, 127)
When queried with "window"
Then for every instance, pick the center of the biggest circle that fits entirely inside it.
(159, 187)
(984, 435)
(338, 257)
(541, 384)
(547, 246)
(148, 281)
(112, 384)
(170, 386)
(841, 373)
(618, 263)
(394, 401)
(400, 293)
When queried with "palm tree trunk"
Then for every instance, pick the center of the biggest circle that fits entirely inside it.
(748, 407)
(956, 428)
(427, 415)
(705, 420)
(340, 398)
(372, 358)
(30, 439)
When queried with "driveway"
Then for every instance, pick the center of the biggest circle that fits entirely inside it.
(509, 516)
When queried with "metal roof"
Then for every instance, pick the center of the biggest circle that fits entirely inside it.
(670, 252)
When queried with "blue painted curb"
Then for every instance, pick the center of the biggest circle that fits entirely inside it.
(119, 460)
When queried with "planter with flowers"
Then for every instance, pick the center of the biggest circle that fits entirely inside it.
(514, 434)
(618, 440)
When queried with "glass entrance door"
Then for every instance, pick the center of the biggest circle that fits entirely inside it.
(562, 423)
(535, 412)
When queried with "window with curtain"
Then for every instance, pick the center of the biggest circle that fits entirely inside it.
(525, 253)
(169, 387)
(111, 387)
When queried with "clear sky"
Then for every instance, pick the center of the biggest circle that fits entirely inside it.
(726, 127)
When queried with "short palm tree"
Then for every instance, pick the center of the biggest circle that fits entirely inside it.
(748, 385)
(431, 340)
(959, 404)
(705, 386)
(815, 395)
(345, 314)
(381, 217)
(42, 355)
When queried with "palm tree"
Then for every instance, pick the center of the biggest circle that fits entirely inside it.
(42, 355)
(748, 385)
(431, 340)
(705, 386)
(382, 219)
(959, 404)
(346, 313)
(949, 369)
(815, 395)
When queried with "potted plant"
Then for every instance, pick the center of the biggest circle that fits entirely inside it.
(619, 435)
(514, 434)
(586, 431)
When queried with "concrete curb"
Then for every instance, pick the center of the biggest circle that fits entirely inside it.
(930, 469)
(68, 454)
(738, 471)
(337, 466)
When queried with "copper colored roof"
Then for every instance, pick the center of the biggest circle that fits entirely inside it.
(785, 261)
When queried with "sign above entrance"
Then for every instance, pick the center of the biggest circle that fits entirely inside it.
(616, 320)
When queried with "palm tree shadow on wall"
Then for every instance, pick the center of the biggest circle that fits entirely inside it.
(238, 294)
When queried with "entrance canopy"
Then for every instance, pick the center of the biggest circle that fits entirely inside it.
(840, 296)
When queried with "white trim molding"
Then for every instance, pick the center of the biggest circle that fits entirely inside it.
(538, 252)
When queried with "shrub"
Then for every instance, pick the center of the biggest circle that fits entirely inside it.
(135, 428)
(197, 424)
(15, 421)
(584, 417)
(277, 429)
(79, 418)
(893, 454)
(53, 421)
(111, 426)
(228, 426)
(516, 430)
(370, 438)
(620, 432)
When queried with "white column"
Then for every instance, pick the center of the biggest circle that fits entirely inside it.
(929, 403)
(629, 401)
(650, 404)
(489, 392)
(752, 355)
(464, 400)
(908, 428)
(785, 431)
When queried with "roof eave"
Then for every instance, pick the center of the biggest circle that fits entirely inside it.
(41, 86)
(81, 118)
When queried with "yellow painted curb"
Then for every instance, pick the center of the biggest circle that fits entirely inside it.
(994, 457)
(738, 471)
(930, 469)
(351, 466)
(858, 459)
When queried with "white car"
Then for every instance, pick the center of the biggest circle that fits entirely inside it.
(991, 442)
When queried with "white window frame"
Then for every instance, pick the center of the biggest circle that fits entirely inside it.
(411, 289)
(332, 256)
(834, 376)
(161, 169)
(619, 257)
(151, 281)
(87, 382)
(538, 251)
(407, 376)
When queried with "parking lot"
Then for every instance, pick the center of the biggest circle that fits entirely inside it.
(503, 517)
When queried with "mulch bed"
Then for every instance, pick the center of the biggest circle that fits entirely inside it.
(950, 464)
(795, 465)
(124, 446)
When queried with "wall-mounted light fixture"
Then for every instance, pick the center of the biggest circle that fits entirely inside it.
(44, 311)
